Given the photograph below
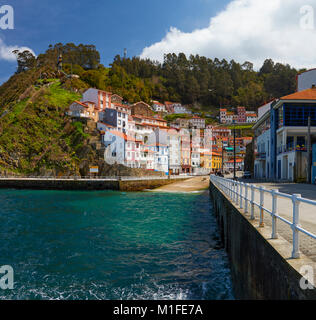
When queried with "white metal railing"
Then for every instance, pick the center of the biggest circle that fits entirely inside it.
(243, 195)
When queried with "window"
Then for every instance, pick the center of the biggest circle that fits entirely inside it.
(300, 142)
(290, 143)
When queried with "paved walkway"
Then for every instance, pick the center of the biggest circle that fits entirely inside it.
(285, 210)
(190, 185)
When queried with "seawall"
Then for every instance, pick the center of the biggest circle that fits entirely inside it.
(85, 184)
(261, 267)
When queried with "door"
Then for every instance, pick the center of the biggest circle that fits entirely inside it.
(279, 169)
(285, 168)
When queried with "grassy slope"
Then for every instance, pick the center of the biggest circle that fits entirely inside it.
(37, 137)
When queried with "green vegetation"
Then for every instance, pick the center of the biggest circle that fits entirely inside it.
(172, 117)
(241, 127)
(36, 135)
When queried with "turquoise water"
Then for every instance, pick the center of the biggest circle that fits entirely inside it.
(111, 245)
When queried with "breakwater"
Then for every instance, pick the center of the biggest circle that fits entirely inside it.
(117, 184)
(262, 267)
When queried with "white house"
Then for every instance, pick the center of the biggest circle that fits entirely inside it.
(197, 122)
(178, 108)
(158, 107)
(251, 117)
(157, 142)
(174, 144)
(114, 142)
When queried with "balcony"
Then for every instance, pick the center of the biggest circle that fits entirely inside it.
(290, 148)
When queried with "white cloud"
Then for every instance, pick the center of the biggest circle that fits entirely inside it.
(6, 51)
(248, 30)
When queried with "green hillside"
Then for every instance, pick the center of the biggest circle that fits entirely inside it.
(36, 137)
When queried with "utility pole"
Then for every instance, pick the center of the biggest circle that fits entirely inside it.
(309, 154)
(222, 157)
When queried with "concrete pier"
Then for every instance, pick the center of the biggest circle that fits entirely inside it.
(128, 184)
(262, 267)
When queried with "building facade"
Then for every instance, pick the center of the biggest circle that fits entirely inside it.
(285, 144)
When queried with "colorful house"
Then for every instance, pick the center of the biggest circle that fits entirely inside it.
(87, 110)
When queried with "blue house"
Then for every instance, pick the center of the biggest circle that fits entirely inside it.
(288, 135)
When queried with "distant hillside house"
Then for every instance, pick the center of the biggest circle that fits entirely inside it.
(101, 99)
(242, 116)
(169, 107)
(180, 109)
(86, 110)
(117, 99)
(251, 117)
(180, 124)
(158, 107)
(197, 123)
(141, 109)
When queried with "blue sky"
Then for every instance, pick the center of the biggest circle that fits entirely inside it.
(243, 30)
(111, 25)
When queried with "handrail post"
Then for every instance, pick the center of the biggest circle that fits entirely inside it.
(296, 220)
(246, 197)
(234, 190)
(274, 212)
(237, 192)
(241, 191)
(261, 224)
(252, 202)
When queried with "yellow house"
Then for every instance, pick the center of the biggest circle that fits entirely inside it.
(216, 161)
(206, 160)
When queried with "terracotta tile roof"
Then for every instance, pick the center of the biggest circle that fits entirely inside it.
(309, 94)
(237, 161)
(119, 134)
(121, 105)
(106, 124)
(81, 103)
(88, 102)
(122, 135)
(158, 103)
